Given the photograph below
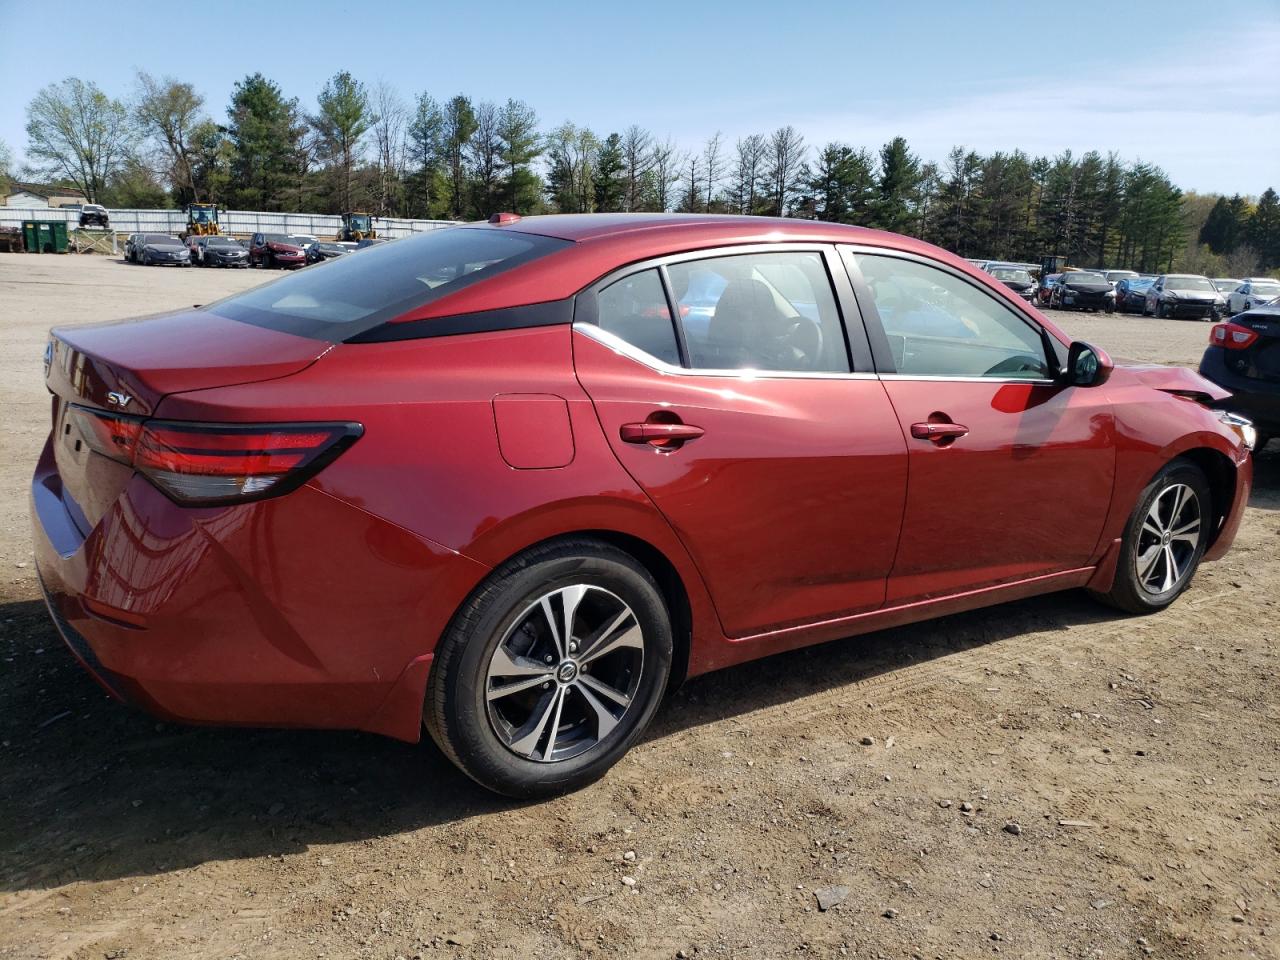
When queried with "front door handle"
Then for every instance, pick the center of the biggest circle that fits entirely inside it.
(660, 434)
(938, 431)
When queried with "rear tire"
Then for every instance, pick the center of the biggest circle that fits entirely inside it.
(1157, 557)
(567, 697)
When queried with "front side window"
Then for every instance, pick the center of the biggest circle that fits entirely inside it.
(760, 311)
(939, 325)
(635, 309)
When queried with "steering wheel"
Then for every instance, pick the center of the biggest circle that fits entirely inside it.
(1019, 363)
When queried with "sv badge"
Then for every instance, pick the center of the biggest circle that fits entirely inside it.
(116, 398)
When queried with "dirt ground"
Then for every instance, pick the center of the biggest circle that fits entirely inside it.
(1045, 779)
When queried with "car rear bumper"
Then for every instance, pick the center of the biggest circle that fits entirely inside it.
(301, 611)
(1259, 400)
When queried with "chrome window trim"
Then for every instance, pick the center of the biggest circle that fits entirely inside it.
(618, 345)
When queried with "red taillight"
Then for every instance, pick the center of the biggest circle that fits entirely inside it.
(205, 464)
(1232, 336)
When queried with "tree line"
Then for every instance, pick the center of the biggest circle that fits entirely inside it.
(366, 148)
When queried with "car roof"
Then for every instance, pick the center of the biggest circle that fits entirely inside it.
(601, 243)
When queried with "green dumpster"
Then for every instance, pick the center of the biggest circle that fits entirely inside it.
(45, 236)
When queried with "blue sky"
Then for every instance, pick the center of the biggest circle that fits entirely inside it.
(1190, 86)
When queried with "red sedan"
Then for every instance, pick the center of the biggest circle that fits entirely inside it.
(512, 481)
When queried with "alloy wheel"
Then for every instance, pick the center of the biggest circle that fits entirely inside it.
(565, 674)
(1168, 539)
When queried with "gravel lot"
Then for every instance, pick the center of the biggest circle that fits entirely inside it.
(1043, 779)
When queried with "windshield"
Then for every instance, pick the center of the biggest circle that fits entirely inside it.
(1225, 284)
(1011, 273)
(1189, 283)
(160, 239)
(1266, 289)
(1120, 274)
(1083, 277)
(221, 242)
(351, 295)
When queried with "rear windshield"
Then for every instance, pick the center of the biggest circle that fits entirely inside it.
(341, 298)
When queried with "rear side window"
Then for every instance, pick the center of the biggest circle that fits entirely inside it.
(635, 310)
(760, 311)
(351, 295)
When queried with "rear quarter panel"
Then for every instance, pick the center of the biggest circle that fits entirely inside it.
(430, 462)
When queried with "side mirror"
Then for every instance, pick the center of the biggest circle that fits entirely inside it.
(1087, 365)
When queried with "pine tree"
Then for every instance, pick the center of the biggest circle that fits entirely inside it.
(899, 181)
(610, 184)
(265, 132)
(1263, 229)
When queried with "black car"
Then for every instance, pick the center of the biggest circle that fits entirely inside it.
(1083, 290)
(1131, 294)
(325, 250)
(1244, 357)
(221, 252)
(152, 249)
(1017, 279)
(94, 215)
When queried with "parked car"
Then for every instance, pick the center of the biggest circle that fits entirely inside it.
(1254, 292)
(159, 249)
(275, 250)
(371, 242)
(325, 250)
(1243, 356)
(133, 246)
(129, 243)
(1131, 294)
(1225, 285)
(1015, 278)
(1044, 290)
(217, 251)
(1182, 296)
(1083, 290)
(484, 478)
(94, 215)
(1115, 276)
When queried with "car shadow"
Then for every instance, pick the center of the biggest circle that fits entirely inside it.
(94, 790)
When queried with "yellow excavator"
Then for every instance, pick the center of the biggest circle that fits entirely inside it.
(202, 220)
(357, 227)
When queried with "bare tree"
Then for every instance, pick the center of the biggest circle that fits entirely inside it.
(691, 181)
(748, 172)
(76, 132)
(169, 113)
(666, 163)
(713, 167)
(484, 154)
(389, 140)
(786, 161)
(637, 162)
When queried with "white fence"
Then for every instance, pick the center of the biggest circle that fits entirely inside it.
(321, 225)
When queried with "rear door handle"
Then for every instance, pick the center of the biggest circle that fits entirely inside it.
(660, 434)
(938, 431)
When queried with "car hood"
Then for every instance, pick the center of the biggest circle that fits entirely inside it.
(1177, 380)
(1081, 287)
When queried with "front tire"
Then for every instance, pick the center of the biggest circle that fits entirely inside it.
(1164, 540)
(552, 669)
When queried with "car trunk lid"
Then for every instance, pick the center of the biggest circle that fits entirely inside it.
(128, 367)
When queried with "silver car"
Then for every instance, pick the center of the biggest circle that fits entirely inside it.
(1254, 292)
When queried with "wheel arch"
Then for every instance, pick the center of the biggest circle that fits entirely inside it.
(1220, 470)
